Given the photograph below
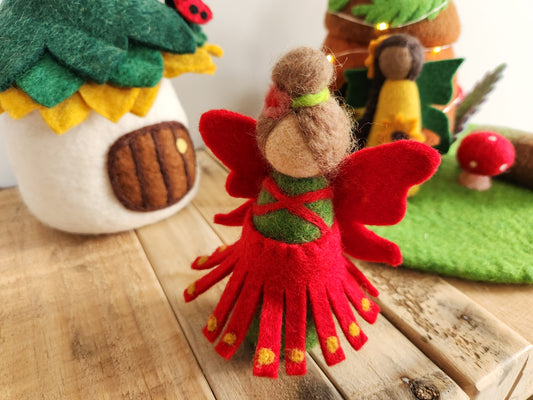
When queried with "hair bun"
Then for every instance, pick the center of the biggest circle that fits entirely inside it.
(301, 71)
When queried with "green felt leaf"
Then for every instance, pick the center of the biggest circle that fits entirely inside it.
(358, 87)
(17, 52)
(48, 82)
(455, 231)
(142, 68)
(89, 37)
(435, 81)
(436, 121)
(156, 25)
(89, 57)
(337, 5)
(399, 12)
(199, 36)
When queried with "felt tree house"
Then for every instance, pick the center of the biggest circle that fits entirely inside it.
(95, 133)
(353, 24)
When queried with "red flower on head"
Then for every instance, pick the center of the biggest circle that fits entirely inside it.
(277, 103)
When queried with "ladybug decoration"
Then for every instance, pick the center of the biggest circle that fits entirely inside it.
(194, 11)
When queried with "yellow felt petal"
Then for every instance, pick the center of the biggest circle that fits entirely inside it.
(109, 101)
(213, 49)
(145, 101)
(199, 62)
(66, 114)
(1, 109)
(17, 103)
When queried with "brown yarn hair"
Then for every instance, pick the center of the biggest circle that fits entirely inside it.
(417, 57)
(325, 127)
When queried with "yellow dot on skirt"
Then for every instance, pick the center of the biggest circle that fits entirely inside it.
(296, 355)
(354, 329)
(191, 289)
(202, 260)
(332, 344)
(265, 356)
(230, 339)
(182, 145)
(222, 248)
(212, 324)
(365, 304)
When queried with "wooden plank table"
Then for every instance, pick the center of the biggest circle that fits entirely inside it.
(104, 318)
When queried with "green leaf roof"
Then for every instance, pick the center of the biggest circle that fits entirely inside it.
(399, 12)
(56, 45)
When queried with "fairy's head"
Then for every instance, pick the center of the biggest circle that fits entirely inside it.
(302, 130)
(398, 57)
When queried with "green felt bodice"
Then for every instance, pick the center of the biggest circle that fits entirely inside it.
(286, 227)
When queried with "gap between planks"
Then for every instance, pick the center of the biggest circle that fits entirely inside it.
(72, 326)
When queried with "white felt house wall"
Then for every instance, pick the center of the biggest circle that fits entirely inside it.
(71, 192)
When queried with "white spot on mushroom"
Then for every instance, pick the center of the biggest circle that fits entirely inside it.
(493, 138)
(503, 167)
(472, 164)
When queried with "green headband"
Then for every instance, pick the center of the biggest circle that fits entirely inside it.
(310, 100)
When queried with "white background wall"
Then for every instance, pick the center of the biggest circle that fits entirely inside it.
(255, 33)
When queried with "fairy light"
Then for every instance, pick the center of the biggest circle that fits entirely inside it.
(331, 58)
(382, 26)
(349, 52)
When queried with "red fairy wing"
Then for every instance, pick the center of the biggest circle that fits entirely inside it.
(371, 189)
(364, 244)
(231, 137)
(372, 185)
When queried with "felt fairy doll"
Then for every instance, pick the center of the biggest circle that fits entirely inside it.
(308, 202)
(393, 111)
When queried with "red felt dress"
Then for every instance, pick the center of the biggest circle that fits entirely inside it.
(370, 188)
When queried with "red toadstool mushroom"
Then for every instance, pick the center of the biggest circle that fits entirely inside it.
(482, 155)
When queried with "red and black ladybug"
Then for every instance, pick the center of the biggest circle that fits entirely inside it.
(194, 11)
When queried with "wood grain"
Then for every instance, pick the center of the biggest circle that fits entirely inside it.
(511, 304)
(171, 246)
(376, 371)
(85, 318)
(388, 367)
(477, 350)
(212, 197)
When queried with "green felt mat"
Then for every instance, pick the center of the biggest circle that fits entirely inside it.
(455, 231)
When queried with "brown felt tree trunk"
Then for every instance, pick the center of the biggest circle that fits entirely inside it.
(521, 173)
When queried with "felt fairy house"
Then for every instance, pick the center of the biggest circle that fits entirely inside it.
(95, 133)
(357, 27)
(353, 24)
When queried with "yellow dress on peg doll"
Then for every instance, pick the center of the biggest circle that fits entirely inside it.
(394, 110)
